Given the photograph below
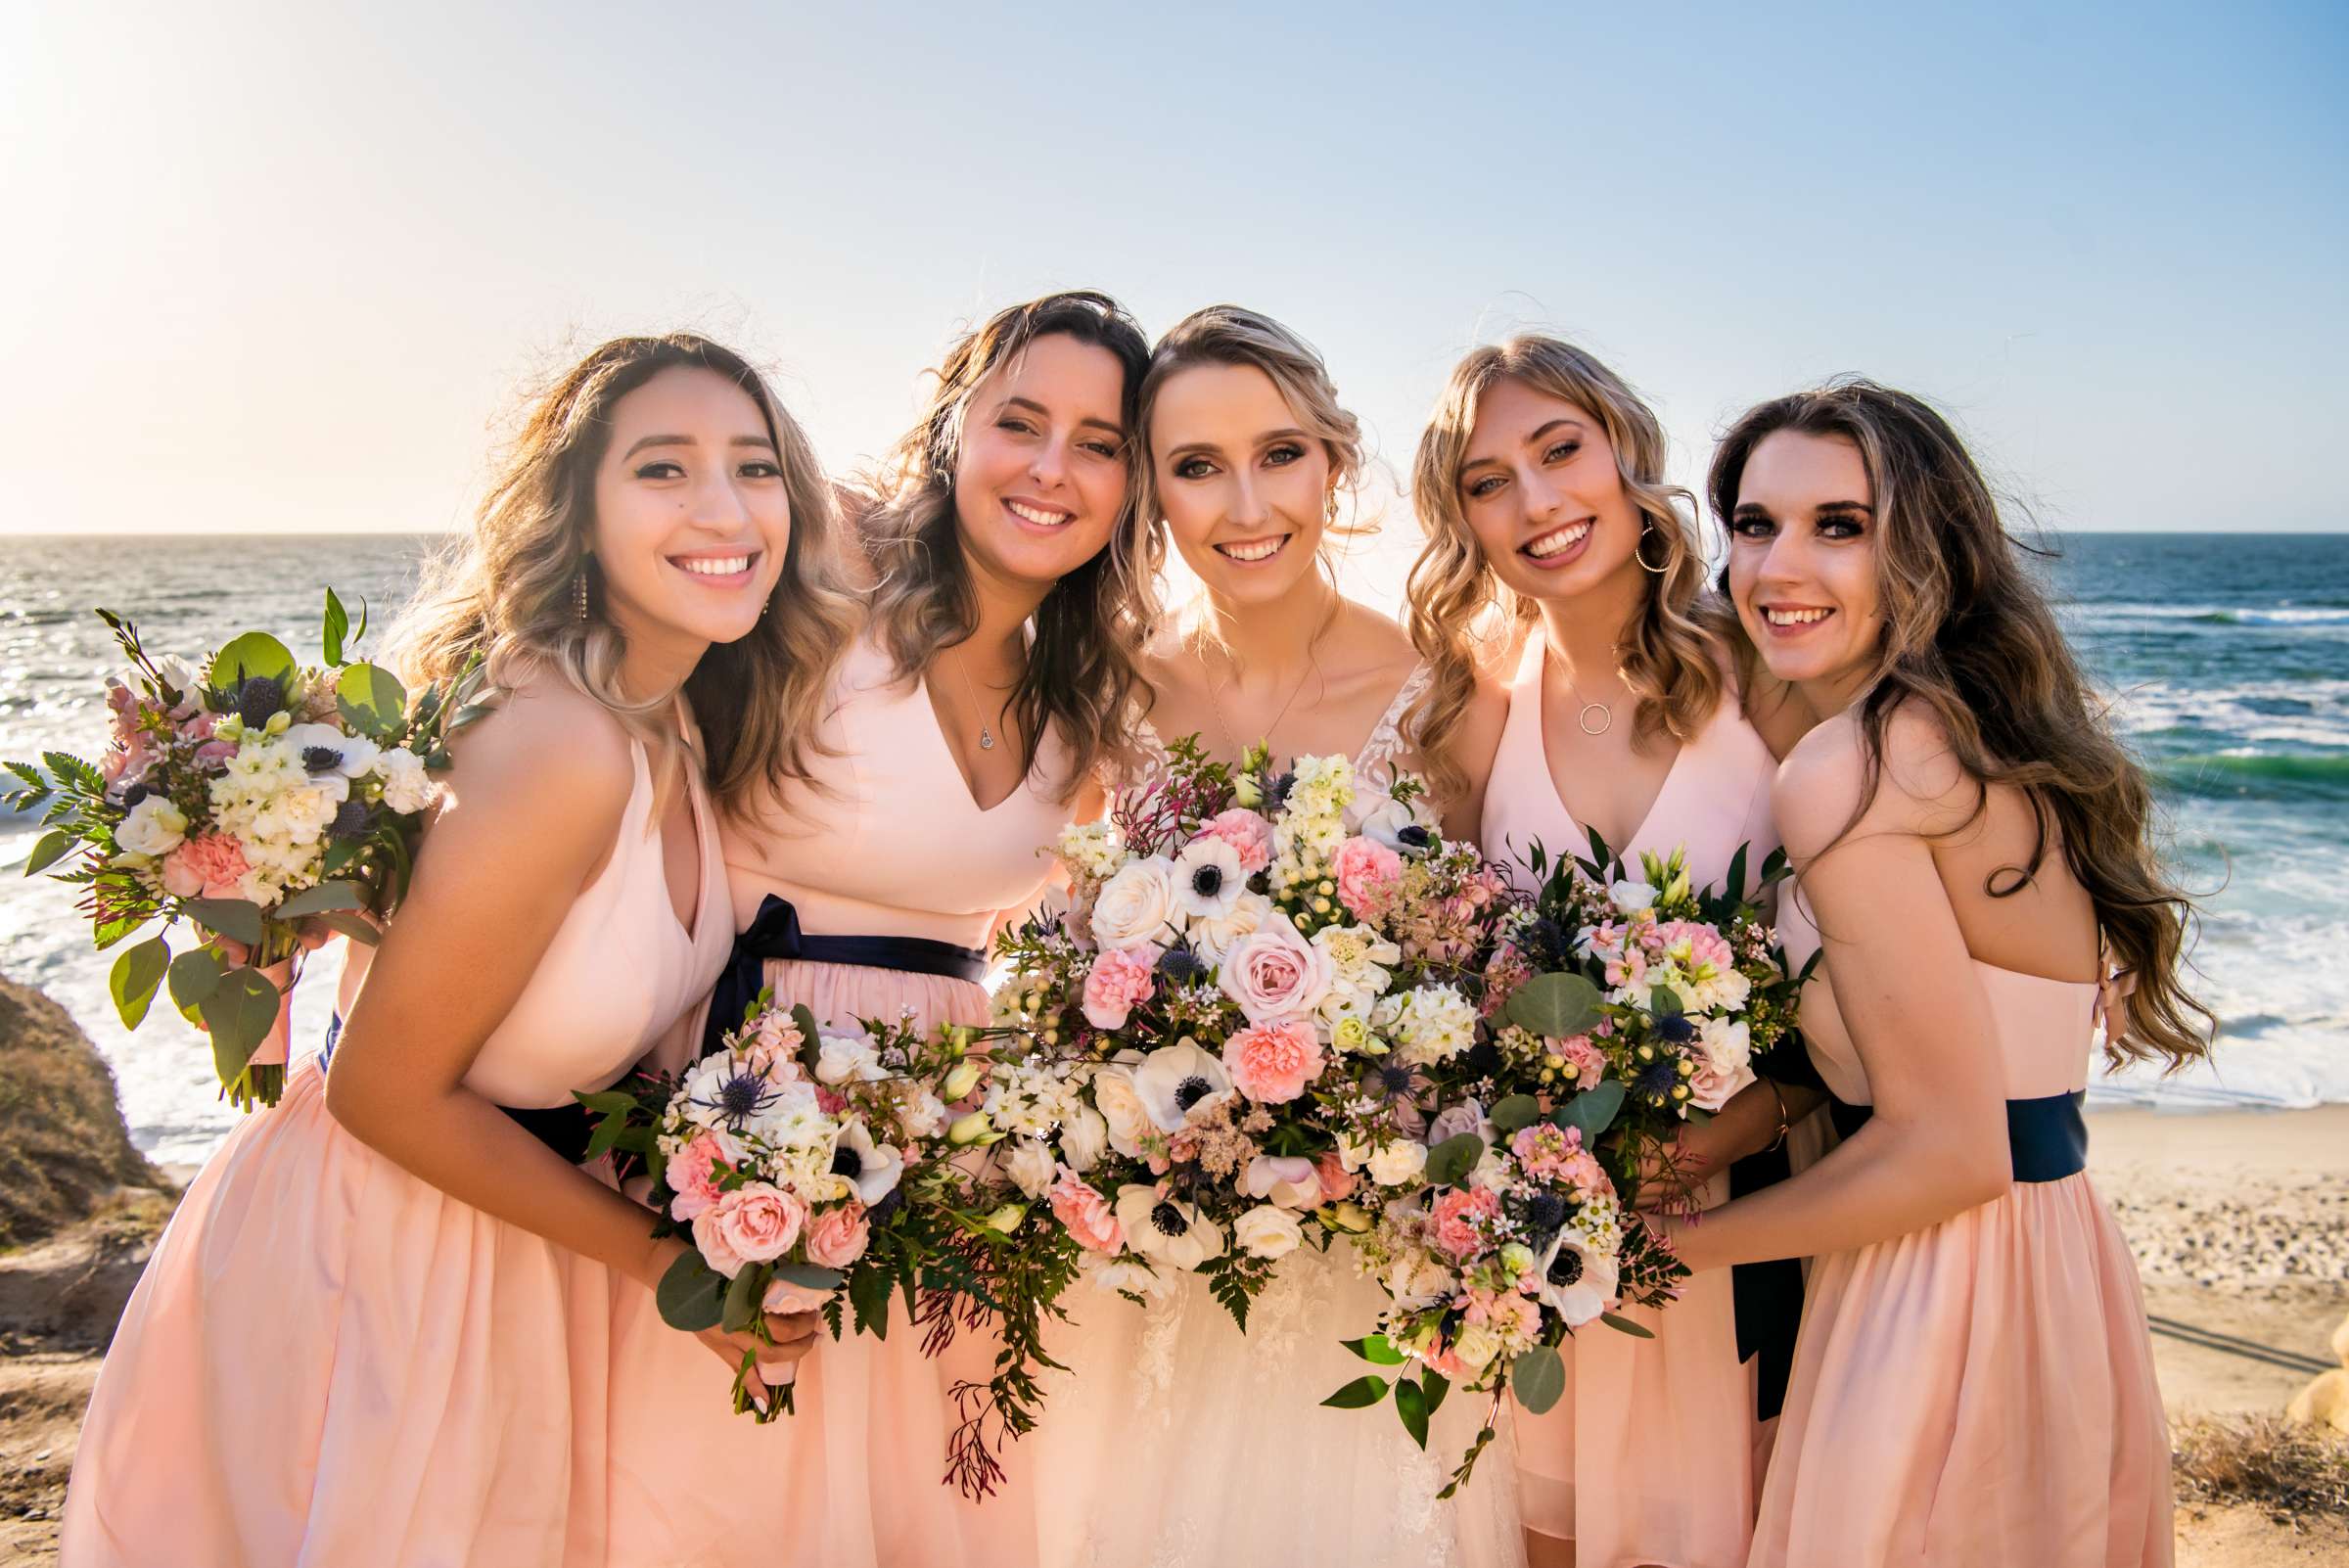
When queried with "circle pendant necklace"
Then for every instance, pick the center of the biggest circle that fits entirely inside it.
(1606, 715)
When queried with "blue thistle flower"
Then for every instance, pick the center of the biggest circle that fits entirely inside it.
(259, 700)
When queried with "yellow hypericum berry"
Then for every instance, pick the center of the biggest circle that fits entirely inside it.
(1320, 906)
(1647, 1053)
(1687, 1068)
(1680, 1091)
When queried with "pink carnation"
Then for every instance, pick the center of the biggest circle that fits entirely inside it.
(1120, 981)
(1706, 945)
(1368, 872)
(1453, 1221)
(752, 1224)
(836, 1238)
(1088, 1214)
(693, 1172)
(208, 865)
(1272, 1063)
(1248, 833)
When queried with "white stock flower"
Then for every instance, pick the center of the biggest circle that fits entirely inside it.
(1429, 1024)
(1398, 1161)
(1083, 1138)
(847, 1058)
(1267, 1231)
(407, 788)
(1091, 848)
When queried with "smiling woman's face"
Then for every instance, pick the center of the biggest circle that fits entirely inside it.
(691, 517)
(1802, 548)
(1042, 482)
(1541, 491)
(1244, 488)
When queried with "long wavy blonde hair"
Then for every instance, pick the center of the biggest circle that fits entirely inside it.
(508, 589)
(1970, 635)
(1084, 671)
(1460, 610)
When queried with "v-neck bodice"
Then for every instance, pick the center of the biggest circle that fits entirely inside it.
(1715, 798)
(1375, 766)
(887, 839)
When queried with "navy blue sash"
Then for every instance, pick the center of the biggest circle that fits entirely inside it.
(563, 1129)
(775, 933)
(1766, 1297)
(2046, 1138)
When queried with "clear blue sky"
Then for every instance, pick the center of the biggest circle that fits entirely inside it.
(283, 266)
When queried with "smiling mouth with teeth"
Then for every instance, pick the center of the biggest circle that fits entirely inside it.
(712, 566)
(1777, 615)
(1247, 550)
(1558, 540)
(1039, 516)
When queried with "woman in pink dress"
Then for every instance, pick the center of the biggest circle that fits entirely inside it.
(1176, 1439)
(1974, 1382)
(376, 1332)
(1540, 484)
(995, 680)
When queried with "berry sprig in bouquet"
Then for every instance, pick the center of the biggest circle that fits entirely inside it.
(263, 801)
(1246, 950)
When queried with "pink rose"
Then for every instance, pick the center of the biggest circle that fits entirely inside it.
(1274, 974)
(213, 753)
(693, 1172)
(836, 1237)
(1078, 1205)
(1337, 1183)
(1453, 1221)
(208, 865)
(1272, 1063)
(1121, 978)
(1543, 1149)
(1248, 833)
(198, 726)
(1368, 872)
(752, 1224)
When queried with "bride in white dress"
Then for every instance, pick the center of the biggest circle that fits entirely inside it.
(1174, 1439)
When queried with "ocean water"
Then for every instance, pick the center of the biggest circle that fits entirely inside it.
(2227, 656)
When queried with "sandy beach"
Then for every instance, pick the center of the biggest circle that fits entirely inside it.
(2239, 1221)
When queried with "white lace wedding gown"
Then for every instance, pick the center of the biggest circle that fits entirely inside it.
(1174, 1440)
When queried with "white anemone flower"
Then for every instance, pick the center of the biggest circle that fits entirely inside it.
(1207, 879)
(1577, 1277)
(1175, 1079)
(872, 1169)
(1165, 1230)
(324, 749)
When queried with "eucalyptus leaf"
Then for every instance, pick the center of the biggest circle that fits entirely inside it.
(194, 975)
(1360, 1394)
(233, 918)
(1593, 1111)
(371, 701)
(1664, 1002)
(239, 1015)
(743, 1295)
(1453, 1158)
(255, 653)
(319, 900)
(1556, 1006)
(136, 975)
(810, 1276)
(1636, 1330)
(691, 1295)
(1514, 1112)
(352, 926)
(1539, 1378)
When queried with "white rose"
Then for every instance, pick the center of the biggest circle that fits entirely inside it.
(1125, 1118)
(1354, 1152)
(1632, 897)
(406, 788)
(1083, 1138)
(1212, 936)
(1030, 1166)
(1475, 1346)
(1138, 904)
(1398, 1162)
(842, 1058)
(155, 827)
(1267, 1231)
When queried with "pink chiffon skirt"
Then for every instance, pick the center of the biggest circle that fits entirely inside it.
(1981, 1391)
(852, 1480)
(333, 1365)
(1651, 1454)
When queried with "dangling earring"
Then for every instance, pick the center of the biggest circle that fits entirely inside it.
(1639, 552)
(578, 591)
(1330, 512)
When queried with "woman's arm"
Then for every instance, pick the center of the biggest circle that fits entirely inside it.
(1909, 995)
(534, 810)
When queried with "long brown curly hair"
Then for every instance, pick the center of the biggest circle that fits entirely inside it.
(1968, 634)
(1668, 655)
(1083, 673)
(506, 591)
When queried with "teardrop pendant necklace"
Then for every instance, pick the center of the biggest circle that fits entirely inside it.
(987, 736)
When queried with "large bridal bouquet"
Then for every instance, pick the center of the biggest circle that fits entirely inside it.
(257, 797)
(1245, 950)
(1627, 1007)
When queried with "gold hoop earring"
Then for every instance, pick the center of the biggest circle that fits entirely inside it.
(579, 593)
(1640, 553)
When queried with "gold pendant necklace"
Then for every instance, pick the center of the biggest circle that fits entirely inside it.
(1606, 715)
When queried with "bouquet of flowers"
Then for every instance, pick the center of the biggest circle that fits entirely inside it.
(808, 1167)
(257, 797)
(1245, 950)
(1625, 1007)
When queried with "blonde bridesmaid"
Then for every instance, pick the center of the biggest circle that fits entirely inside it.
(1540, 484)
(1973, 1383)
(375, 1332)
(995, 680)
